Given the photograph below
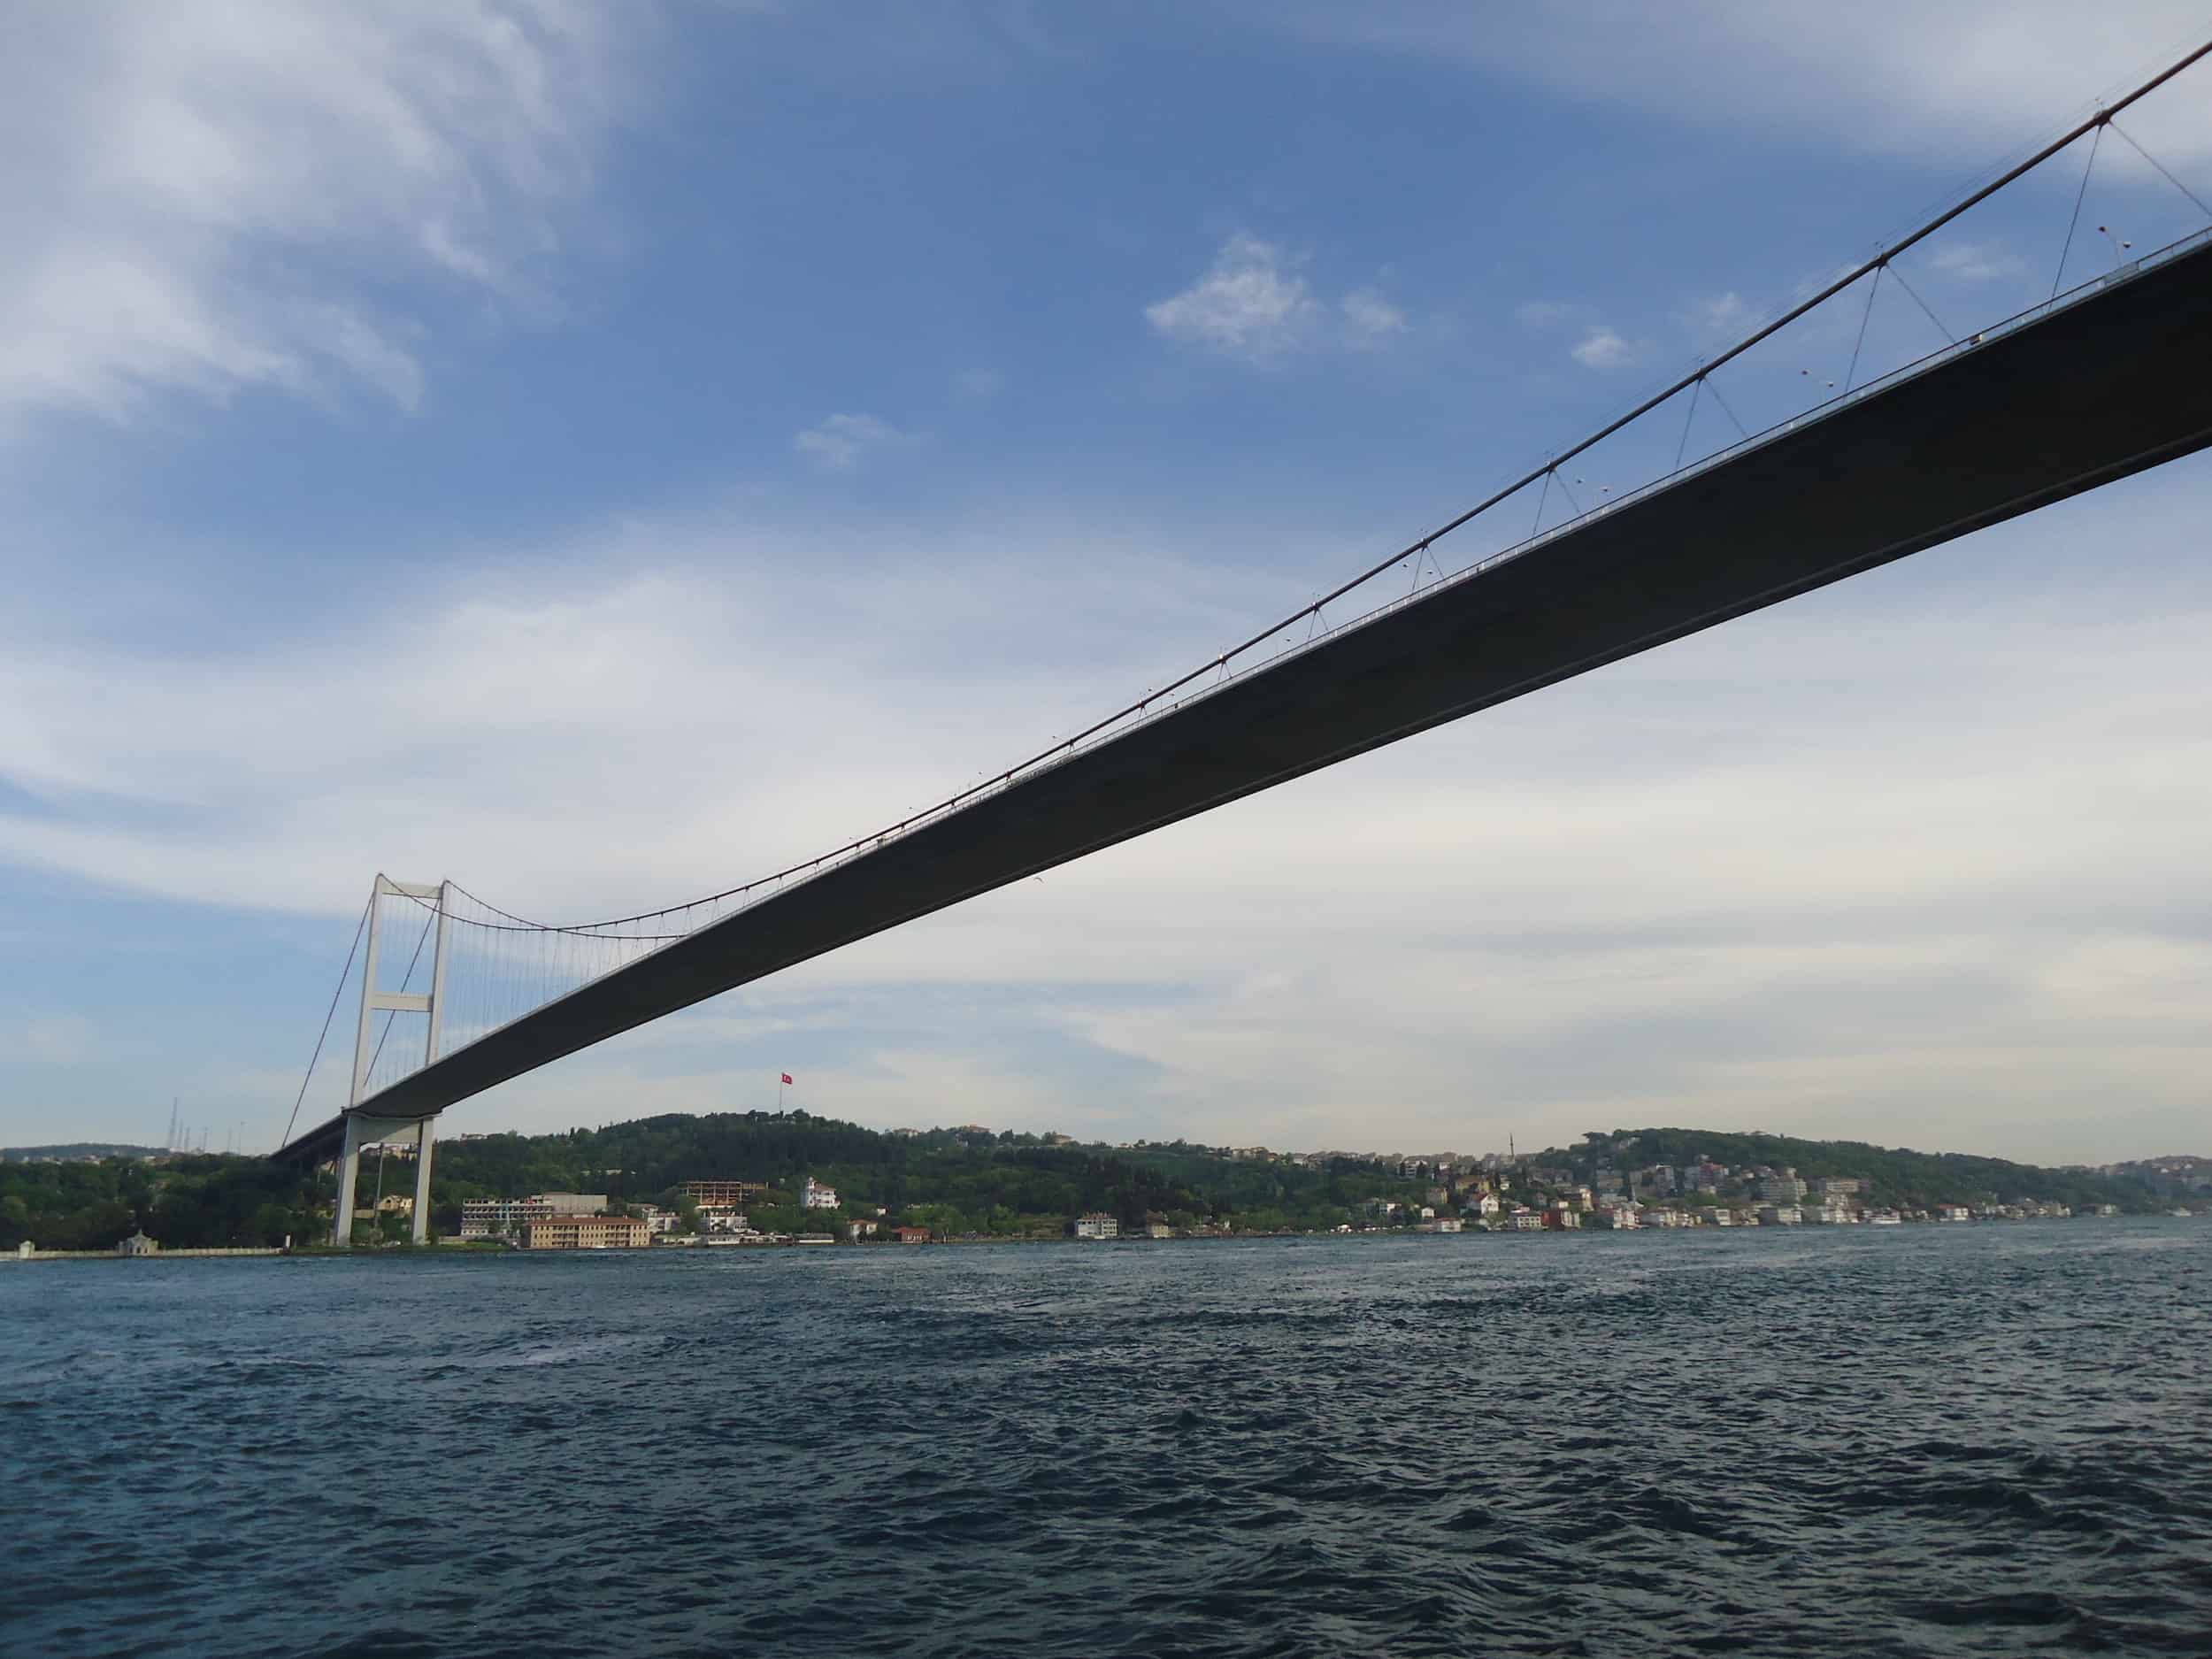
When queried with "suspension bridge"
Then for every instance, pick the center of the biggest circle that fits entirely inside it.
(2104, 379)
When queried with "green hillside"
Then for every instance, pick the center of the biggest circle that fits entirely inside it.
(958, 1181)
(1901, 1178)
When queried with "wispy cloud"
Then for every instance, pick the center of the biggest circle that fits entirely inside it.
(837, 444)
(1748, 869)
(1372, 316)
(1599, 348)
(1977, 261)
(1724, 317)
(1250, 301)
(1254, 301)
(213, 198)
(1948, 76)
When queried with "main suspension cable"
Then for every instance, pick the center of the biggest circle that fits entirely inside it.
(328, 1014)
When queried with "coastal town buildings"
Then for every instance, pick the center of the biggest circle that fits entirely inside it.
(1098, 1225)
(814, 1196)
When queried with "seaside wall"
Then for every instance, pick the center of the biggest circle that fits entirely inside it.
(110, 1255)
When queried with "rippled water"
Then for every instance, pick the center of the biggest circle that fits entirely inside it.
(1917, 1442)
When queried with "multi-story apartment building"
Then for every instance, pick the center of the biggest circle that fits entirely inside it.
(1097, 1225)
(589, 1232)
(496, 1218)
(1783, 1187)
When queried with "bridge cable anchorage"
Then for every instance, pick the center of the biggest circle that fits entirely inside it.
(1899, 277)
(345, 974)
(1280, 633)
(2095, 139)
(2196, 200)
(1865, 316)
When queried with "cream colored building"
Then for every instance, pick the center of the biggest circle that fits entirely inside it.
(589, 1232)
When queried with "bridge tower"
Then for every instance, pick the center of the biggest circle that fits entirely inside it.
(363, 1129)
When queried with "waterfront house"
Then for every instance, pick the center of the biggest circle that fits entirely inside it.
(137, 1244)
(910, 1235)
(1098, 1225)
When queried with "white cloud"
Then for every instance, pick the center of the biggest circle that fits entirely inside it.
(1372, 316)
(204, 196)
(1841, 867)
(1599, 348)
(837, 444)
(1896, 75)
(1251, 302)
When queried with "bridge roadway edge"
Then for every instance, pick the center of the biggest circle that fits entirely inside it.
(2095, 392)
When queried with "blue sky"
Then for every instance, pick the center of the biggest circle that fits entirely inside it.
(603, 453)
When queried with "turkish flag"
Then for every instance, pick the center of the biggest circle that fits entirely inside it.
(785, 1076)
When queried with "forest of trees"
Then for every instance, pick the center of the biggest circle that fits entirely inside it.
(954, 1181)
(187, 1202)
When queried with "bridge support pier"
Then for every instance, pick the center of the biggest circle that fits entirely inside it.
(421, 1234)
(363, 1132)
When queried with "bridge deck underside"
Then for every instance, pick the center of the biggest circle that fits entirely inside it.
(2108, 387)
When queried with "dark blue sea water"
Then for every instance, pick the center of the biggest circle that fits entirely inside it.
(1989, 1441)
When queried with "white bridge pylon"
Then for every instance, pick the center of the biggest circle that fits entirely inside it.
(364, 1131)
